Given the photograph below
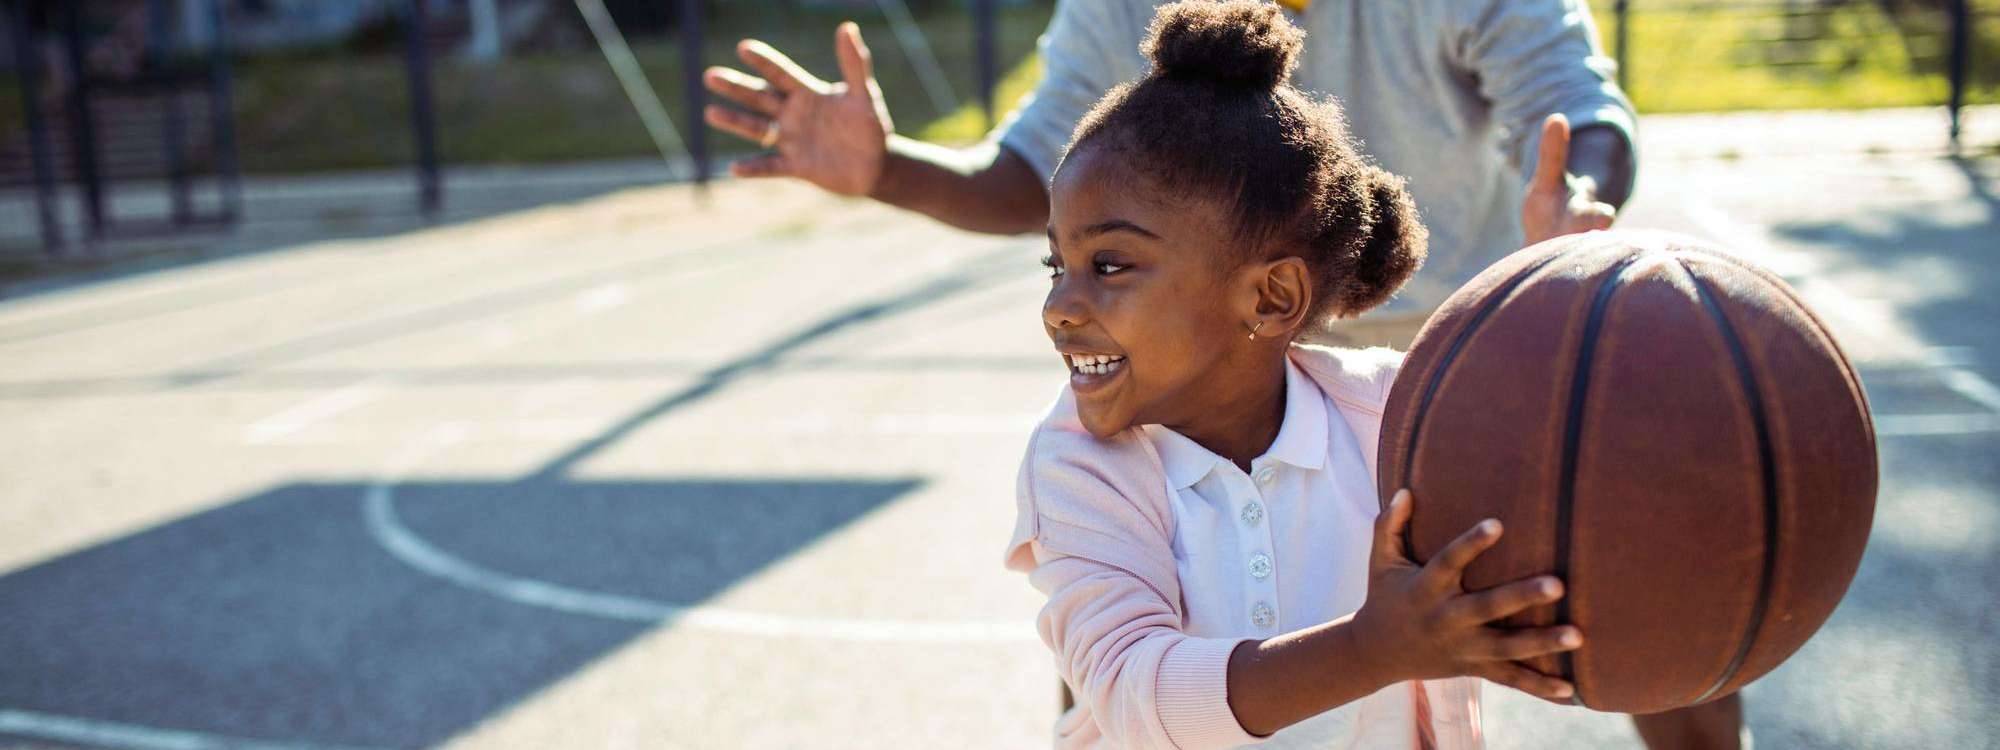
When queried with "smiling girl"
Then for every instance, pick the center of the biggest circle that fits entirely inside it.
(1198, 506)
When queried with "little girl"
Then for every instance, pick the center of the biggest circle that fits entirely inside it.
(1198, 505)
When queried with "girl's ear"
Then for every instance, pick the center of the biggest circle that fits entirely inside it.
(1281, 295)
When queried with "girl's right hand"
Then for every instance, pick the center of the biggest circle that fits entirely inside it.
(1420, 623)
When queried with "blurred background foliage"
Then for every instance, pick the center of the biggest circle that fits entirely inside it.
(342, 103)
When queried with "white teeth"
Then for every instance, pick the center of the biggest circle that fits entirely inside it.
(1094, 364)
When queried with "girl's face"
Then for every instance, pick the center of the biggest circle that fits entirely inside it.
(1138, 306)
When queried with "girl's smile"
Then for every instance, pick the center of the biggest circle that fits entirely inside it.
(1089, 372)
(1147, 303)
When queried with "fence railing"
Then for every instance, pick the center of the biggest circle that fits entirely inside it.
(1674, 55)
(1705, 55)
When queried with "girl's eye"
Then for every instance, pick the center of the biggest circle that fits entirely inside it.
(1106, 269)
(1055, 270)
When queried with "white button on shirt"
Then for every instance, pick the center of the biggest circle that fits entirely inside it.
(1286, 551)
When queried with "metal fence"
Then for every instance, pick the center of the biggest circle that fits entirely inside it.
(171, 121)
(165, 118)
(1702, 55)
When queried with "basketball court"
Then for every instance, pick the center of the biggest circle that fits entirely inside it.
(637, 471)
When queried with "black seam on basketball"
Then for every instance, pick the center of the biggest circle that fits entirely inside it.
(1409, 447)
(1770, 482)
(1784, 289)
(1572, 432)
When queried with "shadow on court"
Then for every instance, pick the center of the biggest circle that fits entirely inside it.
(283, 616)
(1910, 659)
(1943, 249)
(339, 614)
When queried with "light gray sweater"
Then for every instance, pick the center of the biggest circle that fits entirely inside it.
(1450, 94)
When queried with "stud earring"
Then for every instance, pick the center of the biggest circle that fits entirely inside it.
(1255, 329)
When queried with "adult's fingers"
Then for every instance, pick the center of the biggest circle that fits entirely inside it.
(750, 91)
(743, 125)
(1482, 607)
(1527, 681)
(785, 76)
(857, 64)
(1447, 569)
(1389, 526)
(1510, 645)
(768, 165)
(1552, 157)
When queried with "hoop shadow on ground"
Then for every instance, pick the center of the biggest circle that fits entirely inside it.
(279, 617)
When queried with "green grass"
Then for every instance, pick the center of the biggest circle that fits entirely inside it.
(331, 110)
(342, 112)
(1703, 57)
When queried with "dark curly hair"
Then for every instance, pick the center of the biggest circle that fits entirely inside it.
(1217, 116)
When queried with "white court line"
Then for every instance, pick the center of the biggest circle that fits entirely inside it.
(587, 303)
(1920, 425)
(131, 736)
(1877, 315)
(305, 414)
(405, 545)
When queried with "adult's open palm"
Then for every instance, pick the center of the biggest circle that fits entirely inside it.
(832, 134)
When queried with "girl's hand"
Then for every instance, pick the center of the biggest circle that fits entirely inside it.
(1421, 623)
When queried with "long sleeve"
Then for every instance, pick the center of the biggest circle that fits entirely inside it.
(1534, 58)
(1120, 646)
(1095, 536)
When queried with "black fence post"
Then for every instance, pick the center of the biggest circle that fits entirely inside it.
(983, 25)
(422, 122)
(28, 62)
(697, 133)
(1961, 50)
(83, 139)
(222, 112)
(1622, 9)
(163, 63)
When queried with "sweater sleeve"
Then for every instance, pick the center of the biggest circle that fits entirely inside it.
(1079, 64)
(1110, 618)
(1535, 58)
(1121, 647)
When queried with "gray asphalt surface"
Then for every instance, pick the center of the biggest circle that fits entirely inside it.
(632, 471)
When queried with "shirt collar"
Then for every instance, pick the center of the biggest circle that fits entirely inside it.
(1301, 439)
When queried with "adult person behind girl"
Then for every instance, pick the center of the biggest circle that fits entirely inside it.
(1455, 95)
(1197, 506)
(1459, 96)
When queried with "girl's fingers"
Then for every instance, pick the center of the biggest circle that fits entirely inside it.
(1444, 572)
(1528, 681)
(740, 124)
(1389, 526)
(785, 76)
(751, 92)
(1481, 607)
(768, 165)
(1512, 645)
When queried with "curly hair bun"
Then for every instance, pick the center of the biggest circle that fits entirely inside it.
(1242, 43)
(1396, 244)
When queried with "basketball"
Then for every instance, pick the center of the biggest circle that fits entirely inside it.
(1662, 424)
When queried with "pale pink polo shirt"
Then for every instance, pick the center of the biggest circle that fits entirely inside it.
(1146, 652)
(1283, 547)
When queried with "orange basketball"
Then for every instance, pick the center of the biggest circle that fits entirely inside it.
(1663, 425)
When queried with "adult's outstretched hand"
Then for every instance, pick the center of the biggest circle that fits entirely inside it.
(833, 134)
(1557, 202)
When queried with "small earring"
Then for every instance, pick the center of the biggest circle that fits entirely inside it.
(1255, 329)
